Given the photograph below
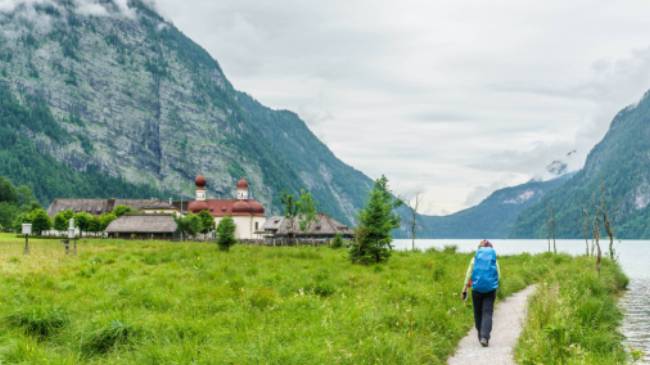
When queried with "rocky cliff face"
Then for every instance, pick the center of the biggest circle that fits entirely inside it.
(130, 97)
(619, 167)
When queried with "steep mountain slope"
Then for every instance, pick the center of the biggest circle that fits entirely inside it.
(120, 96)
(495, 216)
(621, 164)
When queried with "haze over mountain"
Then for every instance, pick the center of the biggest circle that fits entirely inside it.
(620, 166)
(101, 98)
(495, 216)
(108, 99)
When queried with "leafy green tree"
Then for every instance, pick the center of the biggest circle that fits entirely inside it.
(40, 221)
(337, 241)
(189, 224)
(8, 212)
(207, 221)
(290, 211)
(26, 199)
(307, 212)
(226, 233)
(13, 202)
(121, 210)
(83, 221)
(22, 217)
(94, 224)
(8, 192)
(61, 219)
(376, 221)
(106, 219)
(290, 205)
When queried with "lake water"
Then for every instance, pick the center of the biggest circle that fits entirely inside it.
(634, 257)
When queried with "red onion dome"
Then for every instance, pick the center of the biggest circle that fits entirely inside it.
(248, 207)
(256, 207)
(198, 206)
(242, 184)
(242, 207)
(200, 181)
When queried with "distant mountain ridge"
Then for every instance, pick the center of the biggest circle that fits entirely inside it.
(620, 164)
(494, 217)
(114, 101)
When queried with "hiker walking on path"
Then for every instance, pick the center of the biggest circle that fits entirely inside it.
(483, 276)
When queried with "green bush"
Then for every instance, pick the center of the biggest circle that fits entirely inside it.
(39, 219)
(207, 221)
(85, 221)
(337, 241)
(62, 218)
(121, 210)
(190, 224)
(38, 321)
(106, 338)
(226, 233)
(263, 298)
(450, 249)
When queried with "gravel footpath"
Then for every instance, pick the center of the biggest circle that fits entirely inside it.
(508, 321)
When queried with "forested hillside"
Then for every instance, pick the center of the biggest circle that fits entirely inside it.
(117, 102)
(617, 172)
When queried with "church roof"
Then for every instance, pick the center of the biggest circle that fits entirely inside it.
(229, 207)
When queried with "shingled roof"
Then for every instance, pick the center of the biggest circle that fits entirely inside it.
(100, 206)
(143, 224)
(323, 225)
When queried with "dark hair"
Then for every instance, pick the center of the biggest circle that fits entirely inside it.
(485, 243)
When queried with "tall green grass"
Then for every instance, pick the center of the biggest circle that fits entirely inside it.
(573, 318)
(123, 302)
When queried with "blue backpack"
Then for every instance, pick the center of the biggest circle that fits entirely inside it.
(485, 277)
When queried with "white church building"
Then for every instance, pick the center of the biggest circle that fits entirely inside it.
(247, 213)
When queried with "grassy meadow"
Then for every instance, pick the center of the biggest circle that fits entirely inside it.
(123, 302)
(573, 317)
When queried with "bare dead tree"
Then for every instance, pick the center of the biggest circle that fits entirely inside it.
(599, 254)
(585, 228)
(551, 227)
(414, 204)
(606, 221)
(548, 229)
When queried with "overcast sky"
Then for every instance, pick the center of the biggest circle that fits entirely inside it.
(454, 99)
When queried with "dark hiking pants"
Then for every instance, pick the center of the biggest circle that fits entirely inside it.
(483, 308)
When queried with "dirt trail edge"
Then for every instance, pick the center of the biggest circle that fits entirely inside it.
(508, 321)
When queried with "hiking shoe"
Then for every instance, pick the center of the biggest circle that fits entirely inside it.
(484, 342)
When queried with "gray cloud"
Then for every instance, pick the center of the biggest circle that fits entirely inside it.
(453, 99)
(450, 98)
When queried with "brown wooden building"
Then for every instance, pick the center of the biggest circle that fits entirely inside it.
(281, 230)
